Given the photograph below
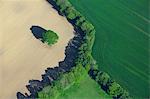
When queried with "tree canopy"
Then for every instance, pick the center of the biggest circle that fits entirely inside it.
(50, 37)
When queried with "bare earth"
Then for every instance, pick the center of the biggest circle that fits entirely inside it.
(22, 56)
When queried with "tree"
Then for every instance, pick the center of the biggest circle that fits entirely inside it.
(80, 20)
(102, 78)
(71, 13)
(87, 27)
(115, 89)
(50, 37)
(124, 95)
(63, 4)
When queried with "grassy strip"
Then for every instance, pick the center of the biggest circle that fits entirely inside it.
(65, 82)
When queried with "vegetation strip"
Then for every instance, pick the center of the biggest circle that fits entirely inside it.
(78, 55)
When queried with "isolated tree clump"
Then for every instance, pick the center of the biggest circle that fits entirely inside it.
(50, 37)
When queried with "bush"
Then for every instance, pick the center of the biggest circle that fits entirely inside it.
(114, 90)
(87, 27)
(50, 37)
(63, 5)
(71, 13)
(80, 20)
(102, 78)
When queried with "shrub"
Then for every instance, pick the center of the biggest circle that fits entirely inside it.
(87, 27)
(80, 20)
(115, 89)
(102, 78)
(71, 13)
(50, 37)
(63, 5)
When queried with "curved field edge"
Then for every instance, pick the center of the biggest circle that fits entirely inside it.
(78, 55)
(121, 45)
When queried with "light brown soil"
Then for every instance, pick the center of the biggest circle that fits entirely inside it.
(22, 56)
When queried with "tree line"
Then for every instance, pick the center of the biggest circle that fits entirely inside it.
(85, 58)
(109, 85)
(78, 55)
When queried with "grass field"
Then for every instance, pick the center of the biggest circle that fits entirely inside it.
(121, 46)
(88, 89)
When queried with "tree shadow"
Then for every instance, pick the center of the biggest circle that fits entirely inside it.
(38, 31)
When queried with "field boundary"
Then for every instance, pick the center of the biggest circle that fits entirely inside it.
(78, 53)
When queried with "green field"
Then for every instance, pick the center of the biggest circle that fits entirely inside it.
(87, 89)
(121, 46)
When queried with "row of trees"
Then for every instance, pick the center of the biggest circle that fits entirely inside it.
(86, 29)
(108, 84)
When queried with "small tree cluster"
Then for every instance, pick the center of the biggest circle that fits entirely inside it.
(50, 37)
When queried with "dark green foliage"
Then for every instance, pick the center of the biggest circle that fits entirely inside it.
(124, 95)
(50, 37)
(87, 27)
(71, 13)
(63, 5)
(109, 85)
(102, 78)
(67, 9)
(80, 20)
(115, 89)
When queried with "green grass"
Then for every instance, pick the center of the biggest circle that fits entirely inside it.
(75, 84)
(87, 89)
(121, 46)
